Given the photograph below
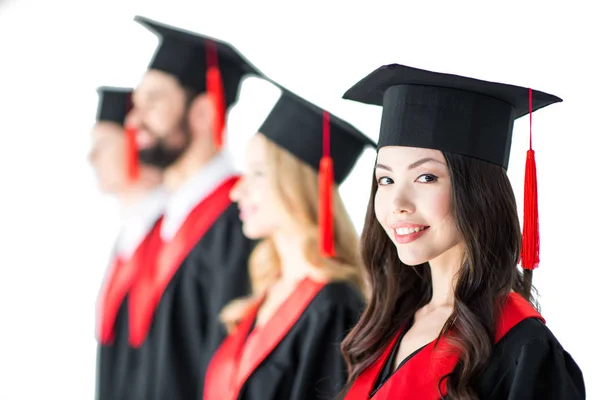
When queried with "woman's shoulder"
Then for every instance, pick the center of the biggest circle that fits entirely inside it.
(338, 295)
(526, 332)
(529, 360)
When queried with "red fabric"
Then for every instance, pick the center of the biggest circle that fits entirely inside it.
(149, 288)
(216, 91)
(326, 217)
(530, 249)
(327, 244)
(119, 280)
(239, 355)
(419, 377)
(131, 149)
(131, 154)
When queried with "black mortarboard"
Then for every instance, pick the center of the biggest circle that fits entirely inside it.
(446, 112)
(460, 115)
(297, 125)
(186, 54)
(325, 142)
(113, 104)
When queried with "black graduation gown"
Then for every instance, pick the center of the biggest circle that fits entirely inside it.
(530, 363)
(294, 356)
(114, 360)
(184, 329)
(527, 363)
(115, 356)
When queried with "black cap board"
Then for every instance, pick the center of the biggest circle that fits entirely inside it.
(297, 125)
(113, 104)
(446, 112)
(185, 55)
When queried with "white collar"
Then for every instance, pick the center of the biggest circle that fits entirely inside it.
(196, 189)
(138, 220)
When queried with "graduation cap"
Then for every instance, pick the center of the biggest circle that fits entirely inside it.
(457, 114)
(113, 105)
(202, 63)
(446, 112)
(325, 142)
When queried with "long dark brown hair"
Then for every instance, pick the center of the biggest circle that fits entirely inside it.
(484, 207)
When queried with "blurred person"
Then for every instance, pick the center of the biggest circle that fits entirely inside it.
(307, 278)
(142, 199)
(179, 116)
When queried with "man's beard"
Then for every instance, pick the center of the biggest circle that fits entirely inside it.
(161, 155)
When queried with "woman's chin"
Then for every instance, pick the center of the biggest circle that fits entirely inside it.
(412, 259)
(251, 232)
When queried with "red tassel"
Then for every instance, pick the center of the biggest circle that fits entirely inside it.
(214, 88)
(326, 237)
(131, 154)
(530, 248)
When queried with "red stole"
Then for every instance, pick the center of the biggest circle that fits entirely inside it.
(240, 354)
(419, 377)
(150, 286)
(119, 280)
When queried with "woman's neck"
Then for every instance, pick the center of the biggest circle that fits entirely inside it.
(294, 265)
(444, 271)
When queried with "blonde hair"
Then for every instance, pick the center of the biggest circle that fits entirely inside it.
(298, 187)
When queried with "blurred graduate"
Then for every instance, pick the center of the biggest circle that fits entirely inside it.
(179, 114)
(138, 189)
(307, 275)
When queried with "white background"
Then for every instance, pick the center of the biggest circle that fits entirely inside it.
(56, 229)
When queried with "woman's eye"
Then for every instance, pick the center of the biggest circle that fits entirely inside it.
(427, 178)
(384, 180)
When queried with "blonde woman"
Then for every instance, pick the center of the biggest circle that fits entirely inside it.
(308, 286)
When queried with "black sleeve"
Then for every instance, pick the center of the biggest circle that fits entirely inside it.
(322, 371)
(222, 275)
(539, 368)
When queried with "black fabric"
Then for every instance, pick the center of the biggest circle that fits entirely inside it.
(185, 331)
(183, 54)
(527, 363)
(113, 104)
(115, 361)
(530, 363)
(388, 368)
(308, 364)
(297, 125)
(446, 112)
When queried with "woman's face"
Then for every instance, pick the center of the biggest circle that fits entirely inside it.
(261, 209)
(413, 202)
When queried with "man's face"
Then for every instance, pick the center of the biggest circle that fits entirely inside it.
(159, 116)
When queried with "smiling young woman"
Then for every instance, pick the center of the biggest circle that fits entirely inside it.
(450, 315)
